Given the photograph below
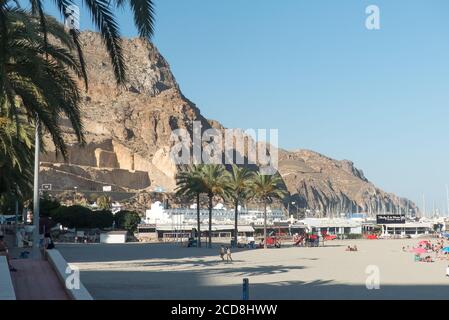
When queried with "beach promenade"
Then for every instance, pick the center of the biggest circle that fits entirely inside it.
(168, 271)
(35, 279)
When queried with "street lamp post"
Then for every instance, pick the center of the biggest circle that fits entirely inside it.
(74, 196)
(294, 204)
(36, 237)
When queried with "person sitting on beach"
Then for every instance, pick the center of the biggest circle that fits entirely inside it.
(348, 248)
(355, 248)
(447, 271)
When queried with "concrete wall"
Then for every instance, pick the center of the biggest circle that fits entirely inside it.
(60, 266)
(112, 238)
(6, 287)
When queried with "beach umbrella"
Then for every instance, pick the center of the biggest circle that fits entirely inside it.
(423, 242)
(446, 249)
(418, 250)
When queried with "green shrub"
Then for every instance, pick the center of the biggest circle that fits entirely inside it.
(127, 220)
(47, 206)
(73, 216)
(101, 219)
(82, 217)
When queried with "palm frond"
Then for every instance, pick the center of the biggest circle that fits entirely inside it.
(104, 19)
(144, 12)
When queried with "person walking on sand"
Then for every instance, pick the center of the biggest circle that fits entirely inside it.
(222, 253)
(228, 254)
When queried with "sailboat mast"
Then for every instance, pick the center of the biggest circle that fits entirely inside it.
(447, 199)
(424, 205)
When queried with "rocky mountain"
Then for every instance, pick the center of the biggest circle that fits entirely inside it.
(128, 133)
(316, 181)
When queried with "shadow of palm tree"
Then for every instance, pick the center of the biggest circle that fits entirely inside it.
(258, 271)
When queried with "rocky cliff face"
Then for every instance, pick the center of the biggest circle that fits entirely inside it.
(332, 186)
(128, 139)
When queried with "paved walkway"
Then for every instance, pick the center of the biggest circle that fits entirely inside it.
(36, 280)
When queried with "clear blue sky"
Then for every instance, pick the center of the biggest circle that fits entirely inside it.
(311, 69)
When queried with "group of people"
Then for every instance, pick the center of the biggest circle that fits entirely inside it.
(47, 244)
(225, 251)
(354, 248)
(427, 247)
(306, 240)
(418, 258)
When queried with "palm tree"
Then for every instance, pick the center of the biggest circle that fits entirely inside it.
(104, 202)
(15, 158)
(190, 185)
(101, 12)
(38, 77)
(238, 185)
(266, 188)
(215, 180)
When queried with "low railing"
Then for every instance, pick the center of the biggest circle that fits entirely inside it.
(75, 289)
(6, 286)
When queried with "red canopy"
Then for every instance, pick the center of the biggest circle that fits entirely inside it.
(418, 250)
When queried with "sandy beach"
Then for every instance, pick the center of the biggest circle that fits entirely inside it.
(168, 271)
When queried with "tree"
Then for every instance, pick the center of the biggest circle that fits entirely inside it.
(38, 74)
(266, 188)
(73, 216)
(47, 206)
(101, 12)
(15, 156)
(190, 185)
(101, 219)
(215, 180)
(7, 204)
(127, 220)
(239, 191)
(37, 77)
(82, 217)
(104, 202)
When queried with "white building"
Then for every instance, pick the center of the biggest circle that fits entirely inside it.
(113, 237)
(334, 226)
(408, 228)
(220, 215)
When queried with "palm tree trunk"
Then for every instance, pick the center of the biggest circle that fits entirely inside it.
(265, 225)
(2, 188)
(198, 240)
(236, 221)
(210, 221)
